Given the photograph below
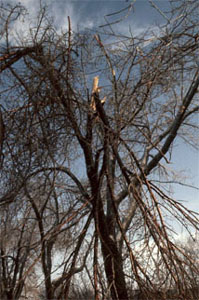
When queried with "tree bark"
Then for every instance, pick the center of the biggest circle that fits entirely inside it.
(112, 258)
(114, 271)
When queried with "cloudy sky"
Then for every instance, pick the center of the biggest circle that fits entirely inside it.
(90, 14)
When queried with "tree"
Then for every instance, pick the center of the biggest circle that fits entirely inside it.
(85, 157)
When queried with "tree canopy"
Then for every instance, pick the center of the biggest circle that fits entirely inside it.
(88, 124)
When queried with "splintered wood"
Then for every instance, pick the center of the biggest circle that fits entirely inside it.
(95, 89)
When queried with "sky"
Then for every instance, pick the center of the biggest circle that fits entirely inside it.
(90, 14)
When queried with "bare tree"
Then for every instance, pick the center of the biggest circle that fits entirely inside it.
(89, 132)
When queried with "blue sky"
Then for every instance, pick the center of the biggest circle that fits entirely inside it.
(90, 14)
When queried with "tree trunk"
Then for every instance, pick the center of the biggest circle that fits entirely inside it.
(114, 270)
(112, 258)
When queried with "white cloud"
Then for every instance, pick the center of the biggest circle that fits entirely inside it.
(57, 10)
(60, 12)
